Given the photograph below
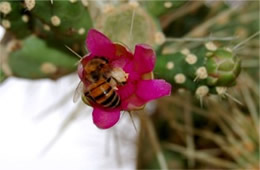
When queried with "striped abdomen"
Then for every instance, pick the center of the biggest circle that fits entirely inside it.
(103, 94)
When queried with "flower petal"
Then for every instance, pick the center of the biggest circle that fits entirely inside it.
(152, 89)
(99, 45)
(144, 58)
(132, 103)
(126, 90)
(133, 75)
(105, 118)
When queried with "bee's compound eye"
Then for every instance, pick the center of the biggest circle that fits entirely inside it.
(94, 75)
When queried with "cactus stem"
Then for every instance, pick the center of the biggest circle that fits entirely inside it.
(25, 18)
(201, 73)
(168, 4)
(159, 38)
(170, 65)
(6, 23)
(191, 59)
(46, 27)
(180, 78)
(5, 7)
(48, 68)
(81, 31)
(211, 46)
(55, 20)
(30, 4)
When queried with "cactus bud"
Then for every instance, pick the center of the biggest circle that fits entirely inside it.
(223, 68)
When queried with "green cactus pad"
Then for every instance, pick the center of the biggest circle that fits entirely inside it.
(116, 24)
(35, 59)
(157, 8)
(66, 21)
(17, 20)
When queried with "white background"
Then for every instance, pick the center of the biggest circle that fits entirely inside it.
(24, 135)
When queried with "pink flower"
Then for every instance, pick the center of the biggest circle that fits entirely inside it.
(140, 87)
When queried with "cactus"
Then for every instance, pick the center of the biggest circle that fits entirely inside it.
(206, 69)
(158, 8)
(45, 61)
(37, 31)
(14, 18)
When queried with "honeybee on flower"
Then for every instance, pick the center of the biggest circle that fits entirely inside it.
(113, 79)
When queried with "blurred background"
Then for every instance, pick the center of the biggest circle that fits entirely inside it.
(208, 51)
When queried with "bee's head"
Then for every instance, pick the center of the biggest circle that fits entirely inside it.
(96, 68)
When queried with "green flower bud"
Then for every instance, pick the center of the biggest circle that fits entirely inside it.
(223, 67)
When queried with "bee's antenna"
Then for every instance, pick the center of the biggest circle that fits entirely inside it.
(73, 51)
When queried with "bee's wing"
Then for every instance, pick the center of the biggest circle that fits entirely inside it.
(78, 92)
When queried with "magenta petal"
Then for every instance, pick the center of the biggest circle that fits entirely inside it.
(144, 58)
(126, 90)
(99, 45)
(132, 103)
(152, 89)
(105, 118)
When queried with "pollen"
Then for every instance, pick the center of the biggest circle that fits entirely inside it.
(159, 38)
(185, 51)
(202, 91)
(191, 59)
(5, 7)
(46, 27)
(211, 46)
(167, 4)
(170, 65)
(30, 4)
(221, 90)
(180, 78)
(202, 73)
(6, 23)
(48, 68)
(81, 31)
(55, 20)
(119, 75)
(25, 18)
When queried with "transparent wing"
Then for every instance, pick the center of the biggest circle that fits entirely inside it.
(78, 92)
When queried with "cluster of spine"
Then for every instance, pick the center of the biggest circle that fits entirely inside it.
(204, 70)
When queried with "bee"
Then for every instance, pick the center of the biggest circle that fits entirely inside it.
(102, 82)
